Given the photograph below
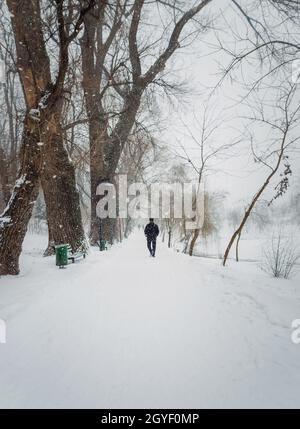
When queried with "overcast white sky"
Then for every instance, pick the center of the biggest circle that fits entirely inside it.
(200, 66)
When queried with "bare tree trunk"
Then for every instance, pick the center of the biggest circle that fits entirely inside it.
(237, 247)
(4, 176)
(61, 198)
(92, 71)
(169, 238)
(34, 72)
(13, 168)
(239, 230)
(97, 175)
(15, 218)
(193, 241)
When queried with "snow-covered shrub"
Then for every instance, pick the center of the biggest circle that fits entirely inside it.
(280, 256)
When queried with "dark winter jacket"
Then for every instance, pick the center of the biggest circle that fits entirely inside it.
(151, 230)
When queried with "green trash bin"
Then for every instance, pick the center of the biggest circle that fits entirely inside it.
(61, 253)
(102, 245)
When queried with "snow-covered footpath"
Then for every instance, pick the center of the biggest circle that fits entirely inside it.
(121, 329)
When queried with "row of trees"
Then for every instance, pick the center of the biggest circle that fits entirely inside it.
(111, 61)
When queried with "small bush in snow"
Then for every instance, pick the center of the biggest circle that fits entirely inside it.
(280, 256)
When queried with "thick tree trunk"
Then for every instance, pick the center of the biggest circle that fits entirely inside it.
(42, 156)
(14, 220)
(60, 193)
(62, 199)
(105, 150)
(13, 161)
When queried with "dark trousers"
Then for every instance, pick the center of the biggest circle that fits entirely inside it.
(151, 244)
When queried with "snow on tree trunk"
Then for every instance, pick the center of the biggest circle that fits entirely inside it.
(14, 220)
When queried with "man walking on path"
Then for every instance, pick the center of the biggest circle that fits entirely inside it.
(151, 232)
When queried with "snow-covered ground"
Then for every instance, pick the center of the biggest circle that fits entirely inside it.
(121, 329)
(251, 246)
